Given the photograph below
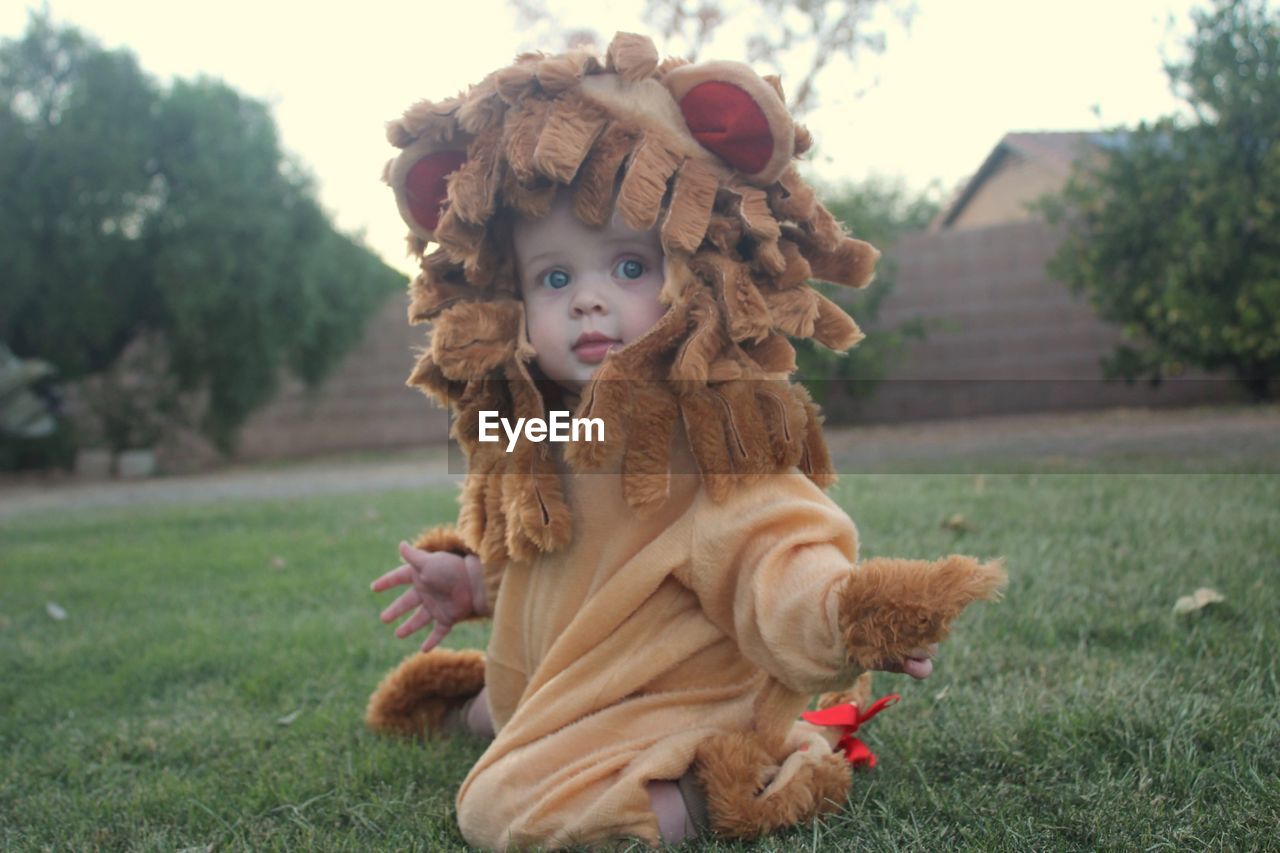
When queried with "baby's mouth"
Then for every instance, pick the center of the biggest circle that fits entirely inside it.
(591, 348)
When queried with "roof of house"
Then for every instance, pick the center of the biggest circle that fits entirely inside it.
(1056, 150)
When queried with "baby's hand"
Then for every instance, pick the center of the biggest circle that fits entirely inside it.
(444, 589)
(918, 665)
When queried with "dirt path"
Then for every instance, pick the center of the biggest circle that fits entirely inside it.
(1121, 437)
(409, 469)
(1183, 433)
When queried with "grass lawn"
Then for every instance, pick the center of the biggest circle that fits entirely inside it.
(207, 684)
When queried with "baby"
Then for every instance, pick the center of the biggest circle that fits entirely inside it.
(587, 291)
(627, 239)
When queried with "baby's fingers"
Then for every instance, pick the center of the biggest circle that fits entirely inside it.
(399, 576)
(918, 664)
(437, 634)
(415, 622)
(430, 563)
(918, 668)
(408, 600)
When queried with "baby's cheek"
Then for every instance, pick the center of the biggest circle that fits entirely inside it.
(543, 359)
(645, 311)
(537, 340)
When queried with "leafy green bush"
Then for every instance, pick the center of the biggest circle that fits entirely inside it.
(1174, 234)
(132, 211)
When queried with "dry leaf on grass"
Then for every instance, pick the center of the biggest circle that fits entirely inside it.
(1198, 600)
(957, 523)
(278, 562)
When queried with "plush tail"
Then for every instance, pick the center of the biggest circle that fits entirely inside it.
(413, 698)
(889, 607)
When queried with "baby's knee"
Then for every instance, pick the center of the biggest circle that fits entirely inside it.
(494, 810)
(476, 827)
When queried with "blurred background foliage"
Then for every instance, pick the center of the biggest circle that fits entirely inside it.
(163, 255)
(167, 219)
(879, 212)
(805, 36)
(1175, 233)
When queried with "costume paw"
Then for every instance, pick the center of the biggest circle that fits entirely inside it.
(750, 794)
(890, 607)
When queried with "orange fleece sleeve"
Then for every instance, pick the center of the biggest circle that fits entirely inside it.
(766, 566)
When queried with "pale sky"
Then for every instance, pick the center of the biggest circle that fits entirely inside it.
(931, 109)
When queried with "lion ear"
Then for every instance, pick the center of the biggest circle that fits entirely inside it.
(736, 115)
(418, 176)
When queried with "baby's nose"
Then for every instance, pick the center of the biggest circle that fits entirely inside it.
(589, 298)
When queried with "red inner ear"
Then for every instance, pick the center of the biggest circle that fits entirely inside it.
(729, 123)
(424, 186)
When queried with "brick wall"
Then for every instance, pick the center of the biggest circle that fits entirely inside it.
(1002, 337)
(363, 405)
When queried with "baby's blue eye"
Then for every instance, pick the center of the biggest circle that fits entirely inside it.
(630, 268)
(556, 279)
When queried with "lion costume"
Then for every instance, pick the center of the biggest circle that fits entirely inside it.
(674, 596)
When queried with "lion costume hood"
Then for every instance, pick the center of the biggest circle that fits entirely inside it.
(703, 151)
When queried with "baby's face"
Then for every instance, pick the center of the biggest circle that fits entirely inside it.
(586, 290)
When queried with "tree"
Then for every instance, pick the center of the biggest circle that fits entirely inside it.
(131, 213)
(810, 32)
(74, 168)
(1175, 234)
(879, 212)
